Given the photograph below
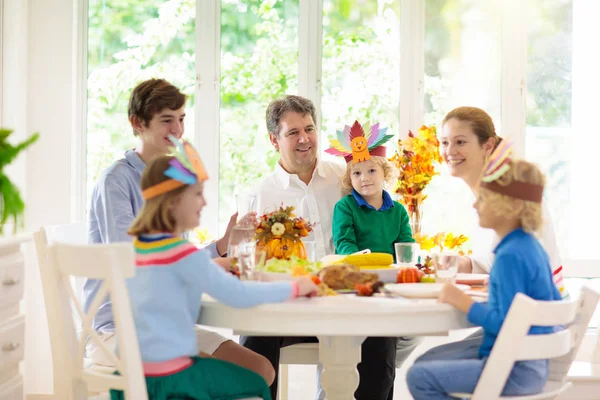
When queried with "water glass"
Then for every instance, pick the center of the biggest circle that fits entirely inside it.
(311, 250)
(446, 267)
(407, 254)
(244, 258)
(246, 203)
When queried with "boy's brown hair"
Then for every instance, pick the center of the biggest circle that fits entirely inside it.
(390, 173)
(152, 96)
(155, 215)
(528, 212)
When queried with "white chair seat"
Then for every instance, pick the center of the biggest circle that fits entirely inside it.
(296, 354)
(300, 354)
(551, 391)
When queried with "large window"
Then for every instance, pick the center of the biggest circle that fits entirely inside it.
(259, 62)
(549, 104)
(129, 41)
(462, 67)
(361, 65)
(352, 52)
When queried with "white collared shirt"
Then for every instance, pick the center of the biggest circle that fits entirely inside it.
(313, 202)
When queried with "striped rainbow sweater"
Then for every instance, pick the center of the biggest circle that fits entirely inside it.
(166, 292)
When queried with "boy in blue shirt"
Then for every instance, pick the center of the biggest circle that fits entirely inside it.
(509, 202)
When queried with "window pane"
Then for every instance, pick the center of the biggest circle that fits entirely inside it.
(361, 65)
(462, 57)
(549, 108)
(462, 68)
(259, 62)
(130, 41)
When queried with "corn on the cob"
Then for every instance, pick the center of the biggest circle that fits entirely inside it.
(371, 259)
(367, 267)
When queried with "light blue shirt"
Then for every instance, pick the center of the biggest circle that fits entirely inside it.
(166, 295)
(116, 200)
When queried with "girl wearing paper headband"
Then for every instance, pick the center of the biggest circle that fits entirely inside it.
(509, 202)
(172, 274)
(367, 218)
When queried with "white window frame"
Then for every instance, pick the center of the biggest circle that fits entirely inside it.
(411, 114)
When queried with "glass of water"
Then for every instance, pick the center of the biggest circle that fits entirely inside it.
(407, 254)
(244, 258)
(446, 267)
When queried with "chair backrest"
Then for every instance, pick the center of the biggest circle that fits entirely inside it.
(514, 343)
(112, 264)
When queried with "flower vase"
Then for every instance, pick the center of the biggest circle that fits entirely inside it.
(415, 214)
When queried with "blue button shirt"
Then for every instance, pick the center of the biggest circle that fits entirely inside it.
(387, 201)
(116, 200)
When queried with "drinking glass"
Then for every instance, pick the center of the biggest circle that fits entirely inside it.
(407, 254)
(243, 231)
(446, 267)
(244, 258)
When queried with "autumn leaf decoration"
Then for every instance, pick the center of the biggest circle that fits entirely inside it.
(281, 223)
(415, 160)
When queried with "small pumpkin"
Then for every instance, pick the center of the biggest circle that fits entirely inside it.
(283, 248)
(409, 275)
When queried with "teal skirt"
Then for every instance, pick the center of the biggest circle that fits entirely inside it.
(205, 379)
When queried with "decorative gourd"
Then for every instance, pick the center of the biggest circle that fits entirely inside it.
(279, 234)
(409, 275)
(283, 248)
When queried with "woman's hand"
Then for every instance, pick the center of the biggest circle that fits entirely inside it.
(306, 287)
(455, 297)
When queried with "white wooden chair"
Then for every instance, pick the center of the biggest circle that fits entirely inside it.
(296, 354)
(112, 264)
(514, 343)
(63, 272)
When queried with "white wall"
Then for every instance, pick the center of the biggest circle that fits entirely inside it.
(37, 97)
(48, 169)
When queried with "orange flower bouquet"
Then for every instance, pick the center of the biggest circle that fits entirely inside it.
(279, 234)
(415, 159)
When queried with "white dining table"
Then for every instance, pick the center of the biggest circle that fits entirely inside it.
(341, 323)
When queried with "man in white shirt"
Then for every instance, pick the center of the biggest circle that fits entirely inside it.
(312, 185)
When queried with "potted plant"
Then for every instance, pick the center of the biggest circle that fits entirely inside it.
(11, 203)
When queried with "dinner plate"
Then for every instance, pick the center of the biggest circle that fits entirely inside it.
(419, 290)
(472, 279)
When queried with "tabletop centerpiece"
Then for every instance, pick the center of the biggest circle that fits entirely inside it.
(279, 234)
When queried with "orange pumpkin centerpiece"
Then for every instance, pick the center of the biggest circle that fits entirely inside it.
(279, 234)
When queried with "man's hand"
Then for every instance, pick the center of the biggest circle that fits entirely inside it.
(224, 241)
(455, 297)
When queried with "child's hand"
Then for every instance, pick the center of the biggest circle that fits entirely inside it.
(465, 265)
(455, 297)
(306, 287)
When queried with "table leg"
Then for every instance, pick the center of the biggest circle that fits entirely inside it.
(340, 355)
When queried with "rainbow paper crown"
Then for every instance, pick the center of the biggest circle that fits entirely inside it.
(497, 165)
(185, 169)
(358, 143)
